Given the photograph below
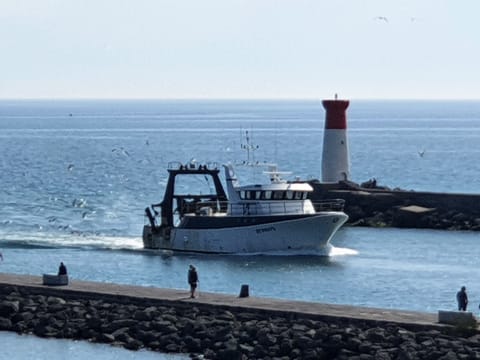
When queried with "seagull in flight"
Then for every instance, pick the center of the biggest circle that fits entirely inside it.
(421, 153)
(381, 18)
(120, 151)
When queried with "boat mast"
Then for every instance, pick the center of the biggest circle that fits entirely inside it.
(249, 147)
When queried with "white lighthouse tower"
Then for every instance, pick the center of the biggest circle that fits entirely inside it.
(335, 159)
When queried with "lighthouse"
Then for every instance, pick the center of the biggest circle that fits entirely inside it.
(335, 159)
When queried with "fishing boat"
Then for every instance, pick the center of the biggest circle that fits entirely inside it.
(259, 218)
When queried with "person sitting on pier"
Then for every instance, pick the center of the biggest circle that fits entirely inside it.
(62, 269)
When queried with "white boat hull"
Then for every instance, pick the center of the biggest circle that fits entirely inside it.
(307, 234)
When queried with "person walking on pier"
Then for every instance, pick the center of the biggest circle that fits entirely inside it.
(462, 299)
(192, 280)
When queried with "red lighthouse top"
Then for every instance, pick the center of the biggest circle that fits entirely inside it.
(335, 117)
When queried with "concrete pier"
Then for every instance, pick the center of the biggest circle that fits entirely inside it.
(225, 327)
(147, 294)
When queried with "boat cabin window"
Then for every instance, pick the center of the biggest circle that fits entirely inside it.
(272, 195)
(277, 195)
(249, 195)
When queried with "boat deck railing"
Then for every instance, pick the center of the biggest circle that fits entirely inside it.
(255, 208)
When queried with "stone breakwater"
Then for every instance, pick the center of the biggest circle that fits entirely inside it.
(221, 332)
(381, 207)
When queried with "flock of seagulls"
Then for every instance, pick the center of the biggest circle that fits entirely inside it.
(81, 203)
(120, 151)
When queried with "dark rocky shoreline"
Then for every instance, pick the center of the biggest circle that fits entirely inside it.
(383, 207)
(220, 332)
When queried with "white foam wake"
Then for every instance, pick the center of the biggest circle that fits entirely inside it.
(71, 240)
(338, 251)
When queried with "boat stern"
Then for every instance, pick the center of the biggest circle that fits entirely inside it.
(157, 239)
(147, 237)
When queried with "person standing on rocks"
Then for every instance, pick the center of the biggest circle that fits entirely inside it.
(462, 299)
(192, 280)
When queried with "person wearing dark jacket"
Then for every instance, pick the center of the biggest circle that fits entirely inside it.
(462, 299)
(62, 269)
(192, 280)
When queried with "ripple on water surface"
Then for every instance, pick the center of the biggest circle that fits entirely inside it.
(27, 347)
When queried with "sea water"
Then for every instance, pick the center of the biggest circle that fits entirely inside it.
(29, 347)
(77, 175)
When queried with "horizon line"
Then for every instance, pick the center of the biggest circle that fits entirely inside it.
(224, 99)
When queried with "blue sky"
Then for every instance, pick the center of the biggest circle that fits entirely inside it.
(305, 49)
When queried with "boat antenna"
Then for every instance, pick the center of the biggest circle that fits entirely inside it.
(275, 149)
(250, 148)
